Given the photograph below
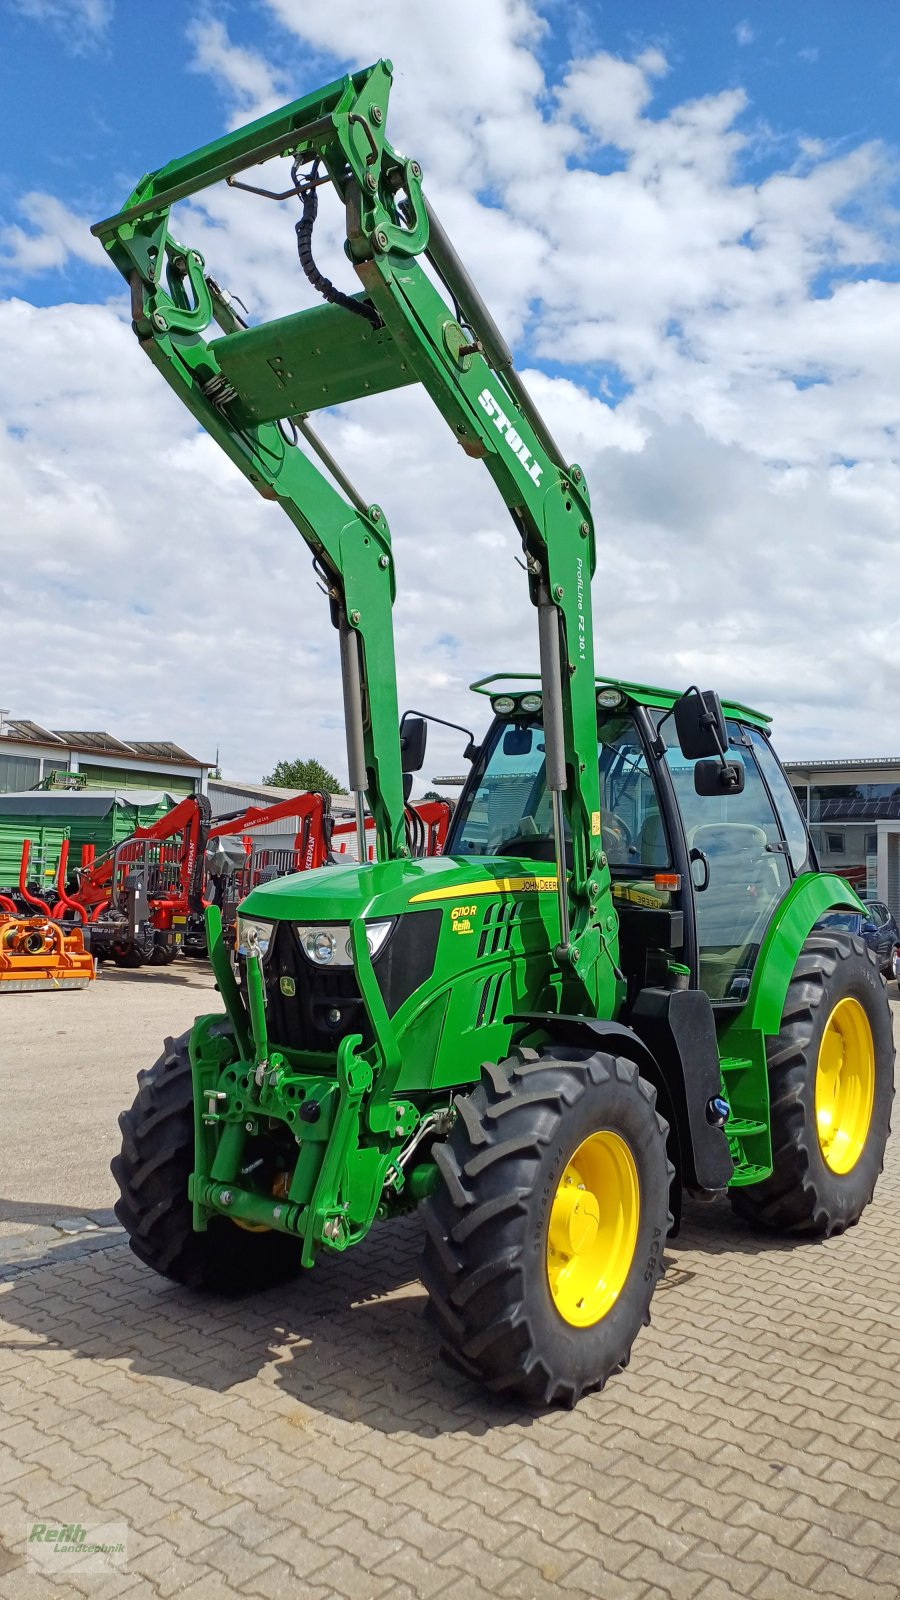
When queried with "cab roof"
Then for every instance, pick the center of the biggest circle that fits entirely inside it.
(644, 694)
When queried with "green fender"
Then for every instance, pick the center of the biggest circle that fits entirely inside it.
(742, 1042)
(808, 898)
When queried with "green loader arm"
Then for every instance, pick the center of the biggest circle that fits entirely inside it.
(253, 388)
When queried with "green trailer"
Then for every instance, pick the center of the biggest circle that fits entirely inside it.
(85, 817)
(611, 992)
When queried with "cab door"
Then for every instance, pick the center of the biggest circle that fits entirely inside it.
(739, 862)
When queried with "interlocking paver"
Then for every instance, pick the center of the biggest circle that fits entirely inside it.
(310, 1441)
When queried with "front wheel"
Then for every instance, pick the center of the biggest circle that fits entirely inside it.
(152, 1171)
(544, 1239)
(831, 1083)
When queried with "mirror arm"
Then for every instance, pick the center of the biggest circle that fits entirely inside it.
(658, 746)
(471, 749)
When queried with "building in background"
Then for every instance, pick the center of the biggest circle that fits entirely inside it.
(31, 754)
(853, 811)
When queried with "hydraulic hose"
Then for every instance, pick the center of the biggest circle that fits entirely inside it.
(324, 286)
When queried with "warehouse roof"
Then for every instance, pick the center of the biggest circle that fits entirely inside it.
(844, 764)
(266, 793)
(97, 742)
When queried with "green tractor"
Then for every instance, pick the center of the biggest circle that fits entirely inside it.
(610, 992)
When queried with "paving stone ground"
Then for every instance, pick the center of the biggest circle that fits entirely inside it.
(311, 1443)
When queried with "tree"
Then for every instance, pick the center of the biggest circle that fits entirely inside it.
(304, 772)
(432, 794)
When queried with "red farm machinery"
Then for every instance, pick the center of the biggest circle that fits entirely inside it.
(142, 901)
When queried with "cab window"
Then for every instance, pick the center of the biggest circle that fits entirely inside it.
(509, 811)
(510, 800)
(630, 820)
(786, 805)
(739, 869)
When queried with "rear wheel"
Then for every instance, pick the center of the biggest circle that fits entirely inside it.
(162, 955)
(152, 1171)
(831, 1082)
(544, 1240)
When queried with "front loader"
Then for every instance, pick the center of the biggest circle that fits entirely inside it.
(610, 990)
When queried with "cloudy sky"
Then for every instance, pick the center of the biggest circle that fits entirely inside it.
(684, 216)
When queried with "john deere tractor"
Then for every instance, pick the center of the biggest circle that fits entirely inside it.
(611, 991)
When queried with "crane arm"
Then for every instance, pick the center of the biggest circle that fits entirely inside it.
(253, 389)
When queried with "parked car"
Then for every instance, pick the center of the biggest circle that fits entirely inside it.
(877, 927)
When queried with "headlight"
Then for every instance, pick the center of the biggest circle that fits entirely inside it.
(256, 931)
(320, 946)
(330, 946)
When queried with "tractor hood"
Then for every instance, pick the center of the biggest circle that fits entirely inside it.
(389, 888)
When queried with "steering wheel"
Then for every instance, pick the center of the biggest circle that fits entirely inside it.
(618, 839)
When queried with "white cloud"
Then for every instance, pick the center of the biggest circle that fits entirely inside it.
(254, 86)
(744, 33)
(609, 95)
(744, 489)
(54, 235)
(81, 24)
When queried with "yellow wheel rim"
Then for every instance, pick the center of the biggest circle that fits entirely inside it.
(593, 1229)
(845, 1086)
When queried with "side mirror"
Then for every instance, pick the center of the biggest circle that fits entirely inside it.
(700, 722)
(718, 777)
(870, 927)
(413, 737)
(407, 787)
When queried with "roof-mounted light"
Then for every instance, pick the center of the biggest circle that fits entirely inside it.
(610, 699)
(503, 705)
(530, 702)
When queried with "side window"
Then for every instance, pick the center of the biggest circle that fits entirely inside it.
(739, 870)
(633, 832)
(785, 800)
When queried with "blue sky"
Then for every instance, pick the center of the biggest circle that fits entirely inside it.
(685, 218)
(86, 112)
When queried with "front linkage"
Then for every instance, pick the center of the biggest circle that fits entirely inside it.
(347, 1151)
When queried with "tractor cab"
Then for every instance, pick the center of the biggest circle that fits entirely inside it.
(701, 829)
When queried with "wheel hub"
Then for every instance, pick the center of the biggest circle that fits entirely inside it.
(845, 1086)
(574, 1221)
(593, 1229)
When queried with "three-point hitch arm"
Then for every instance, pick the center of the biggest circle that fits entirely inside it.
(253, 389)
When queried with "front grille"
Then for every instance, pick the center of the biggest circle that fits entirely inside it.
(300, 1021)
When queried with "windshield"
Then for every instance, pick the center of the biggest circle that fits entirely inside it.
(508, 810)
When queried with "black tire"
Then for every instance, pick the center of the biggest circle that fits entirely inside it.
(127, 956)
(152, 1173)
(803, 1194)
(162, 955)
(485, 1260)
